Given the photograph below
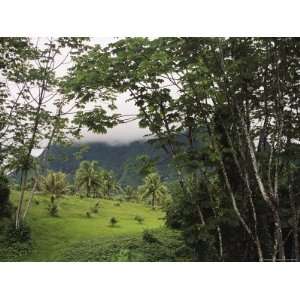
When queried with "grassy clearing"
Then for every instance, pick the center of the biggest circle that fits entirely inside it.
(53, 235)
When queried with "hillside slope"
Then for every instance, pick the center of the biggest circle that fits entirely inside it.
(118, 158)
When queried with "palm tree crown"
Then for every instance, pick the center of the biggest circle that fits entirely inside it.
(55, 183)
(88, 176)
(154, 188)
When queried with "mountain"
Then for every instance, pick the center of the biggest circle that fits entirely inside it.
(118, 158)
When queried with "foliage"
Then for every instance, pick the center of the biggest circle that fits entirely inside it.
(130, 193)
(6, 208)
(55, 183)
(88, 176)
(239, 95)
(153, 188)
(168, 246)
(113, 221)
(13, 235)
(53, 207)
(15, 244)
(139, 219)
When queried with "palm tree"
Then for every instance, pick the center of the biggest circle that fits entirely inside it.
(55, 184)
(88, 175)
(108, 183)
(130, 193)
(154, 188)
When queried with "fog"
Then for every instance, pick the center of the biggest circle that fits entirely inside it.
(120, 134)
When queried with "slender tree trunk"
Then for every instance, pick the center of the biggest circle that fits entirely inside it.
(30, 199)
(21, 199)
(295, 218)
(153, 201)
(221, 254)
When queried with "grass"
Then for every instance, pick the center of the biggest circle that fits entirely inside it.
(52, 236)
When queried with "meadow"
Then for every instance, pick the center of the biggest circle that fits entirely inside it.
(52, 236)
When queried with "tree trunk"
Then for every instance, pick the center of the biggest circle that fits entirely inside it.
(295, 219)
(153, 201)
(21, 199)
(30, 199)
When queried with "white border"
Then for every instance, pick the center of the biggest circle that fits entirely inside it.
(149, 281)
(108, 18)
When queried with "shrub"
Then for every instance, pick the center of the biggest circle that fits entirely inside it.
(113, 221)
(95, 209)
(6, 207)
(20, 235)
(148, 237)
(53, 208)
(123, 255)
(170, 247)
(139, 219)
(117, 204)
(88, 214)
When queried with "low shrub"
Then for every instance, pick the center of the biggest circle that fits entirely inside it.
(53, 208)
(168, 246)
(139, 219)
(15, 243)
(20, 235)
(6, 208)
(113, 221)
(149, 237)
(95, 208)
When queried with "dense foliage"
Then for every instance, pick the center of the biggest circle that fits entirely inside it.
(226, 112)
(152, 246)
(6, 209)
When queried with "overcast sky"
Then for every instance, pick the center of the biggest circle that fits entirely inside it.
(123, 133)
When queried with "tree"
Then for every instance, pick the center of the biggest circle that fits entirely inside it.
(130, 193)
(241, 95)
(88, 176)
(108, 183)
(35, 108)
(153, 188)
(56, 185)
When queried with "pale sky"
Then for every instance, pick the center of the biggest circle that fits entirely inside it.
(123, 133)
(120, 134)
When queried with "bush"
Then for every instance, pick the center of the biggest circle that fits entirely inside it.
(15, 251)
(170, 247)
(6, 208)
(53, 208)
(117, 204)
(148, 237)
(139, 219)
(88, 214)
(95, 209)
(113, 221)
(21, 235)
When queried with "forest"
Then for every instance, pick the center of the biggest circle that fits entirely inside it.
(215, 179)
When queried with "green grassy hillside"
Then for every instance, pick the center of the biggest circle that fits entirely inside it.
(52, 236)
